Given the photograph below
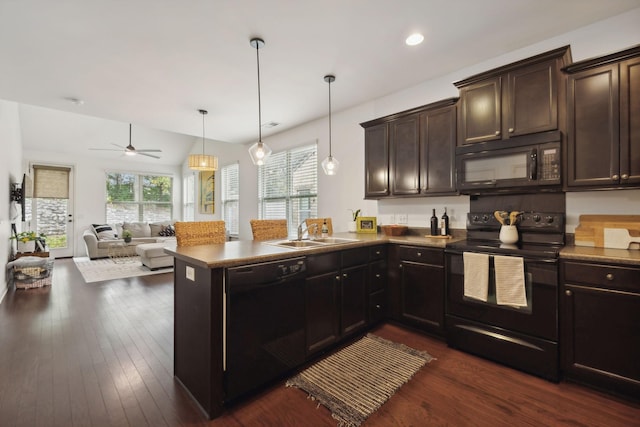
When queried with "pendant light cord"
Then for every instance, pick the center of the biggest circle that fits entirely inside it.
(259, 100)
(329, 117)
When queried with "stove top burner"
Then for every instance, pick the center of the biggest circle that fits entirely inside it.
(519, 249)
(541, 234)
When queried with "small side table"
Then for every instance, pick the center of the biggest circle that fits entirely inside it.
(122, 252)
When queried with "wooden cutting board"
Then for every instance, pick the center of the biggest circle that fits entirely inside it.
(590, 231)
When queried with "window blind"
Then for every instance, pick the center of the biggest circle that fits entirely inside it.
(50, 182)
(288, 186)
(230, 197)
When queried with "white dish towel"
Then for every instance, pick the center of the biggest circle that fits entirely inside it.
(476, 275)
(510, 288)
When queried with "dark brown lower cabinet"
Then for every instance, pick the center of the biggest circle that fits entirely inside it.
(417, 287)
(600, 326)
(336, 296)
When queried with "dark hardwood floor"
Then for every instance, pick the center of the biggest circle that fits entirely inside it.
(101, 354)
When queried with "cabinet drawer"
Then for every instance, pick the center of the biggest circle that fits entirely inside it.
(421, 254)
(378, 276)
(377, 308)
(607, 276)
(355, 256)
(378, 253)
(323, 263)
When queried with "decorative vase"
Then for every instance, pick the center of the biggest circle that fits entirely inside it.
(508, 234)
(28, 246)
(352, 227)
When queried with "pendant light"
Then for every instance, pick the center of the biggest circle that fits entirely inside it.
(259, 151)
(203, 162)
(330, 165)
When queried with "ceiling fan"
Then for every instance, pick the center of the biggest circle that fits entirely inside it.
(130, 150)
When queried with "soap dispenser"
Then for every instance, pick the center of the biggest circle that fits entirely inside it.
(325, 229)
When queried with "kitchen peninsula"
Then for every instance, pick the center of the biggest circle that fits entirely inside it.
(205, 313)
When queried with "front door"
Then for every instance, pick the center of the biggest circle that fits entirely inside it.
(52, 207)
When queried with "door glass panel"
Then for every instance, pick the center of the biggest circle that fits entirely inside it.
(51, 220)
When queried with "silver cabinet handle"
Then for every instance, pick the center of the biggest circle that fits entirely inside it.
(615, 177)
(377, 252)
(624, 176)
(377, 275)
(568, 293)
(497, 132)
(345, 275)
(338, 278)
(510, 130)
(419, 254)
(609, 276)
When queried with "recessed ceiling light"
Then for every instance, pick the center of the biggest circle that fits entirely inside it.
(75, 101)
(414, 39)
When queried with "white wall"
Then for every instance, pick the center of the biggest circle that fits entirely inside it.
(11, 165)
(338, 194)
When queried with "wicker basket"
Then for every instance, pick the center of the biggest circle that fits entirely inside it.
(33, 277)
(394, 230)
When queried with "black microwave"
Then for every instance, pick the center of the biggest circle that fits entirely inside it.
(509, 167)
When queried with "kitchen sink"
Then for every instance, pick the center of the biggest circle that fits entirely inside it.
(296, 243)
(334, 240)
(300, 244)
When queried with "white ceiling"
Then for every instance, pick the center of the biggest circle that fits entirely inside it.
(154, 63)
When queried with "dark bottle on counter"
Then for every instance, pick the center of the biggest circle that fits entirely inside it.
(444, 225)
(434, 224)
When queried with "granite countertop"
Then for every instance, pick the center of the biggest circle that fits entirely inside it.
(585, 253)
(242, 252)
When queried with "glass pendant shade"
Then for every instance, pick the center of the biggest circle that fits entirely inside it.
(330, 165)
(203, 162)
(259, 152)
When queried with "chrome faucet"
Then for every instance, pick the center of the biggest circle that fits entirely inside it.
(307, 230)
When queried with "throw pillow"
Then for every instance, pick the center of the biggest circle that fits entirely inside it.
(137, 229)
(104, 232)
(168, 231)
(157, 227)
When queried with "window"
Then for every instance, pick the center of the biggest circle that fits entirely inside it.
(189, 204)
(138, 197)
(231, 197)
(288, 186)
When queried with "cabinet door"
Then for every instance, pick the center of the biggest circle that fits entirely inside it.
(422, 293)
(437, 151)
(630, 121)
(405, 156)
(532, 100)
(376, 161)
(480, 115)
(599, 341)
(321, 308)
(354, 299)
(593, 135)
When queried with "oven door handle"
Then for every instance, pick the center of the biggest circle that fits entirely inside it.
(533, 165)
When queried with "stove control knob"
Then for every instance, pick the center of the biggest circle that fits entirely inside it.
(485, 218)
(549, 219)
(475, 218)
(536, 218)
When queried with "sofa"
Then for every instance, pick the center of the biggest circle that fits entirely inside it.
(98, 238)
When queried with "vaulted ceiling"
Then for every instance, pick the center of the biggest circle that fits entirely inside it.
(154, 63)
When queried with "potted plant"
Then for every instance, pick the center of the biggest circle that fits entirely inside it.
(126, 235)
(352, 226)
(27, 240)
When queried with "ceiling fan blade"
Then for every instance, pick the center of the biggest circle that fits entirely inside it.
(104, 149)
(149, 151)
(119, 146)
(148, 155)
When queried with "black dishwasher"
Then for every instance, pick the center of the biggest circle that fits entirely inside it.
(265, 333)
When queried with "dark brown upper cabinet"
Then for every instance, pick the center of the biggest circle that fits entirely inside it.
(376, 160)
(420, 148)
(513, 100)
(604, 122)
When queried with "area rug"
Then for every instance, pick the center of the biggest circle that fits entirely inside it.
(105, 269)
(354, 382)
